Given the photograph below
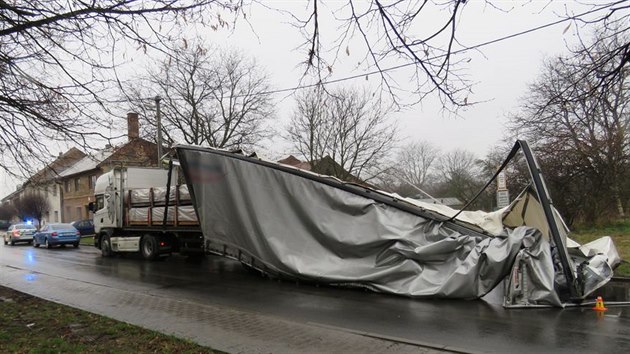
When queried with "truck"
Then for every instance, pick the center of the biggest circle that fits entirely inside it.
(140, 210)
(290, 223)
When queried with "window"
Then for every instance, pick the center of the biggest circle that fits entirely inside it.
(68, 215)
(66, 185)
(79, 216)
(46, 191)
(92, 182)
(56, 212)
(24, 227)
(61, 227)
(100, 202)
(54, 191)
(76, 184)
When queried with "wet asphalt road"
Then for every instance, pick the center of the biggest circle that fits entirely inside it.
(476, 326)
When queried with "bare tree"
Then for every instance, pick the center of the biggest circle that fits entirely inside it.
(399, 35)
(58, 62)
(32, 205)
(416, 161)
(348, 126)
(385, 31)
(7, 212)
(579, 126)
(413, 171)
(210, 97)
(460, 176)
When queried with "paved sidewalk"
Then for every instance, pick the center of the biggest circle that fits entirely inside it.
(222, 328)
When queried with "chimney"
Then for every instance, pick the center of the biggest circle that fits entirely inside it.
(133, 128)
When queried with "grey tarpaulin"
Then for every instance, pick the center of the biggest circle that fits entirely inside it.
(292, 223)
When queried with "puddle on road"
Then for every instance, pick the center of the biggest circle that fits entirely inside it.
(30, 277)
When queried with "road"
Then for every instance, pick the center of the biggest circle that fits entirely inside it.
(220, 304)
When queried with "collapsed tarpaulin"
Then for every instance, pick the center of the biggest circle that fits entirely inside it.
(292, 223)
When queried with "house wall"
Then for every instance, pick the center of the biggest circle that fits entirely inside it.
(78, 192)
(136, 153)
(54, 200)
(53, 196)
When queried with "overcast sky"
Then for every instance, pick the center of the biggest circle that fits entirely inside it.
(502, 71)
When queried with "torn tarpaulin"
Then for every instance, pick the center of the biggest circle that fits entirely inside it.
(293, 223)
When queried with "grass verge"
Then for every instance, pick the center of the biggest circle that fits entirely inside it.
(32, 325)
(87, 241)
(620, 233)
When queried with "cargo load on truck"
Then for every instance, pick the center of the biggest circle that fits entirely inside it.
(291, 223)
(146, 206)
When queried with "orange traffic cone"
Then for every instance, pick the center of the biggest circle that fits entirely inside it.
(599, 304)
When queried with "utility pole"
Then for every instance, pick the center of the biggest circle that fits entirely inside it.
(159, 128)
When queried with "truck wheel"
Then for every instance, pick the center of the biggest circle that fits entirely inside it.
(149, 247)
(106, 246)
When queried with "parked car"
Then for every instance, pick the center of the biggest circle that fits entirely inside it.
(85, 227)
(57, 235)
(19, 233)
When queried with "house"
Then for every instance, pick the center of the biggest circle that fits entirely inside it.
(45, 182)
(77, 182)
(324, 166)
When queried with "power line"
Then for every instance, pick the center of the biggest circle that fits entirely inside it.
(476, 46)
(400, 66)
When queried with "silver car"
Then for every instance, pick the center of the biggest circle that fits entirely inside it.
(19, 233)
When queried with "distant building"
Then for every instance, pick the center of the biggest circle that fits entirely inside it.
(68, 181)
(324, 166)
(46, 182)
(77, 182)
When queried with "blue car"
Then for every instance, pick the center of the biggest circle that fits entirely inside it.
(85, 227)
(57, 235)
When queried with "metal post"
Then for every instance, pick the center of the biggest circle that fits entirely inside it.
(159, 129)
(168, 191)
(545, 202)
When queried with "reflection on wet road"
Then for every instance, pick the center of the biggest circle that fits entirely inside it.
(472, 325)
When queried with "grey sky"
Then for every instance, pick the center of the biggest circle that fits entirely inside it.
(502, 71)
